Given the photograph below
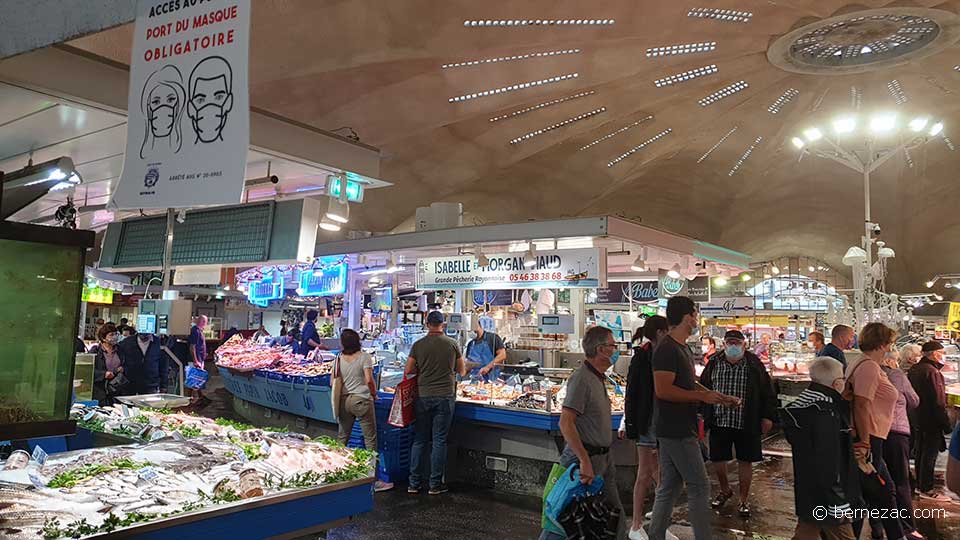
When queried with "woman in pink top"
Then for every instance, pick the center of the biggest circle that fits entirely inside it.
(874, 401)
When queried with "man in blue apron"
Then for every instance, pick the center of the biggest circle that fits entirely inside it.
(486, 349)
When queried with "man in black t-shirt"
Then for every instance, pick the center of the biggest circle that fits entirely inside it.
(678, 398)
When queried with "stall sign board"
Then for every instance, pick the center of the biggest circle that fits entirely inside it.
(188, 110)
(623, 293)
(728, 306)
(493, 298)
(262, 291)
(697, 289)
(96, 295)
(764, 320)
(570, 268)
(354, 188)
(328, 277)
(953, 318)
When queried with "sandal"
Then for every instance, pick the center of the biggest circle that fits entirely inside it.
(721, 499)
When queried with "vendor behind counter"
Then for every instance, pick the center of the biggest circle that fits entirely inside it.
(485, 352)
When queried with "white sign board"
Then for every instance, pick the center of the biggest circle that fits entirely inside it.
(569, 268)
(730, 306)
(188, 109)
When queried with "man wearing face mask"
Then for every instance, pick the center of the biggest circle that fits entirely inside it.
(211, 98)
(842, 338)
(586, 422)
(739, 373)
(149, 372)
(931, 415)
(825, 472)
(678, 399)
(486, 351)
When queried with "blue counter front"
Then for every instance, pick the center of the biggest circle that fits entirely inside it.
(511, 416)
(308, 400)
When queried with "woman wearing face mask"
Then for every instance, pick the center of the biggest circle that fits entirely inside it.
(637, 422)
(874, 401)
(107, 366)
(161, 104)
(896, 449)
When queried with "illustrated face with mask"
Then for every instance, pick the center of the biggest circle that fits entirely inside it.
(162, 106)
(733, 349)
(211, 98)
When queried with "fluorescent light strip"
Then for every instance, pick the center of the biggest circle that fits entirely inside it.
(538, 22)
(542, 105)
(617, 132)
(558, 125)
(957, 67)
(688, 48)
(722, 93)
(897, 92)
(520, 86)
(714, 147)
(906, 156)
(542, 54)
(784, 98)
(949, 143)
(637, 148)
(856, 97)
(728, 15)
(685, 76)
(744, 157)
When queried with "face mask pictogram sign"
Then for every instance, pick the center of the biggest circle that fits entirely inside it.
(188, 113)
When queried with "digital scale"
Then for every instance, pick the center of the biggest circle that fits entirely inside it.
(555, 324)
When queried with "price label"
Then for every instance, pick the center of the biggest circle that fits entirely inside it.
(157, 434)
(39, 455)
(148, 473)
(125, 411)
(37, 481)
(241, 455)
(264, 447)
(154, 421)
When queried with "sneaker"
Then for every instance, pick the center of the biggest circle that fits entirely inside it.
(744, 510)
(720, 500)
(380, 485)
(934, 495)
(413, 490)
(648, 516)
(637, 534)
(439, 490)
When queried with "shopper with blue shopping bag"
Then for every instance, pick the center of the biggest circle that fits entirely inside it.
(586, 425)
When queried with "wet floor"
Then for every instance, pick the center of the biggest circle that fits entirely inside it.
(470, 513)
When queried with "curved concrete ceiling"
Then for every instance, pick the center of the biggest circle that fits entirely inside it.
(377, 68)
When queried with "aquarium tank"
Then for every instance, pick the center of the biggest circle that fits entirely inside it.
(41, 276)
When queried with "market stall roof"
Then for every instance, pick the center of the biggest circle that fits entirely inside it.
(622, 238)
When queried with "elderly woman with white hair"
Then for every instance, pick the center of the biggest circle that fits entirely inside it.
(909, 355)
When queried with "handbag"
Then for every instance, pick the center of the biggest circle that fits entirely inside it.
(566, 488)
(336, 387)
(545, 523)
(403, 411)
(589, 517)
(117, 384)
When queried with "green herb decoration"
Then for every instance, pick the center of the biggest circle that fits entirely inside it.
(72, 477)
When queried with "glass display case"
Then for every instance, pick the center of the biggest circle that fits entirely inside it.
(42, 269)
(83, 377)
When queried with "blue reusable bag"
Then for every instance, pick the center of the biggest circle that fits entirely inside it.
(567, 487)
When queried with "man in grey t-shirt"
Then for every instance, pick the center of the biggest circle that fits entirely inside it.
(585, 420)
(436, 360)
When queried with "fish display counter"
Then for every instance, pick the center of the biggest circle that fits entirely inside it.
(196, 478)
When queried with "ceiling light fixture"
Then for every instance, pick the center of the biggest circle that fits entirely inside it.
(845, 124)
(328, 224)
(724, 92)
(639, 147)
(514, 87)
(936, 129)
(530, 257)
(721, 280)
(514, 23)
(552, 127)
(717, 144)
(640, 263)
(726, 15)
(775, 269)
(685, 76)
(687, 48)
(617, 132)
(813, 134)
(745, 276)
(798, 142)
(542, 105)
(917, 124)
(527, 56)
(883, 123)
(745, 156)
(674, 271)
(785, 98)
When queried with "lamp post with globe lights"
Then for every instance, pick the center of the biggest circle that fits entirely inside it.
(864, 143)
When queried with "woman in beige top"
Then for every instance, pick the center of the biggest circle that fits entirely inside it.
(354, 368)
(874, 400)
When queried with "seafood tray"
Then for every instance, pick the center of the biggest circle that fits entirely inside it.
(156, 401)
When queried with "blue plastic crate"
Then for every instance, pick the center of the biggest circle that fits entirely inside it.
(394, 447)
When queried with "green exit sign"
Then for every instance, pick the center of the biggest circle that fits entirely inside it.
(354, 189)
